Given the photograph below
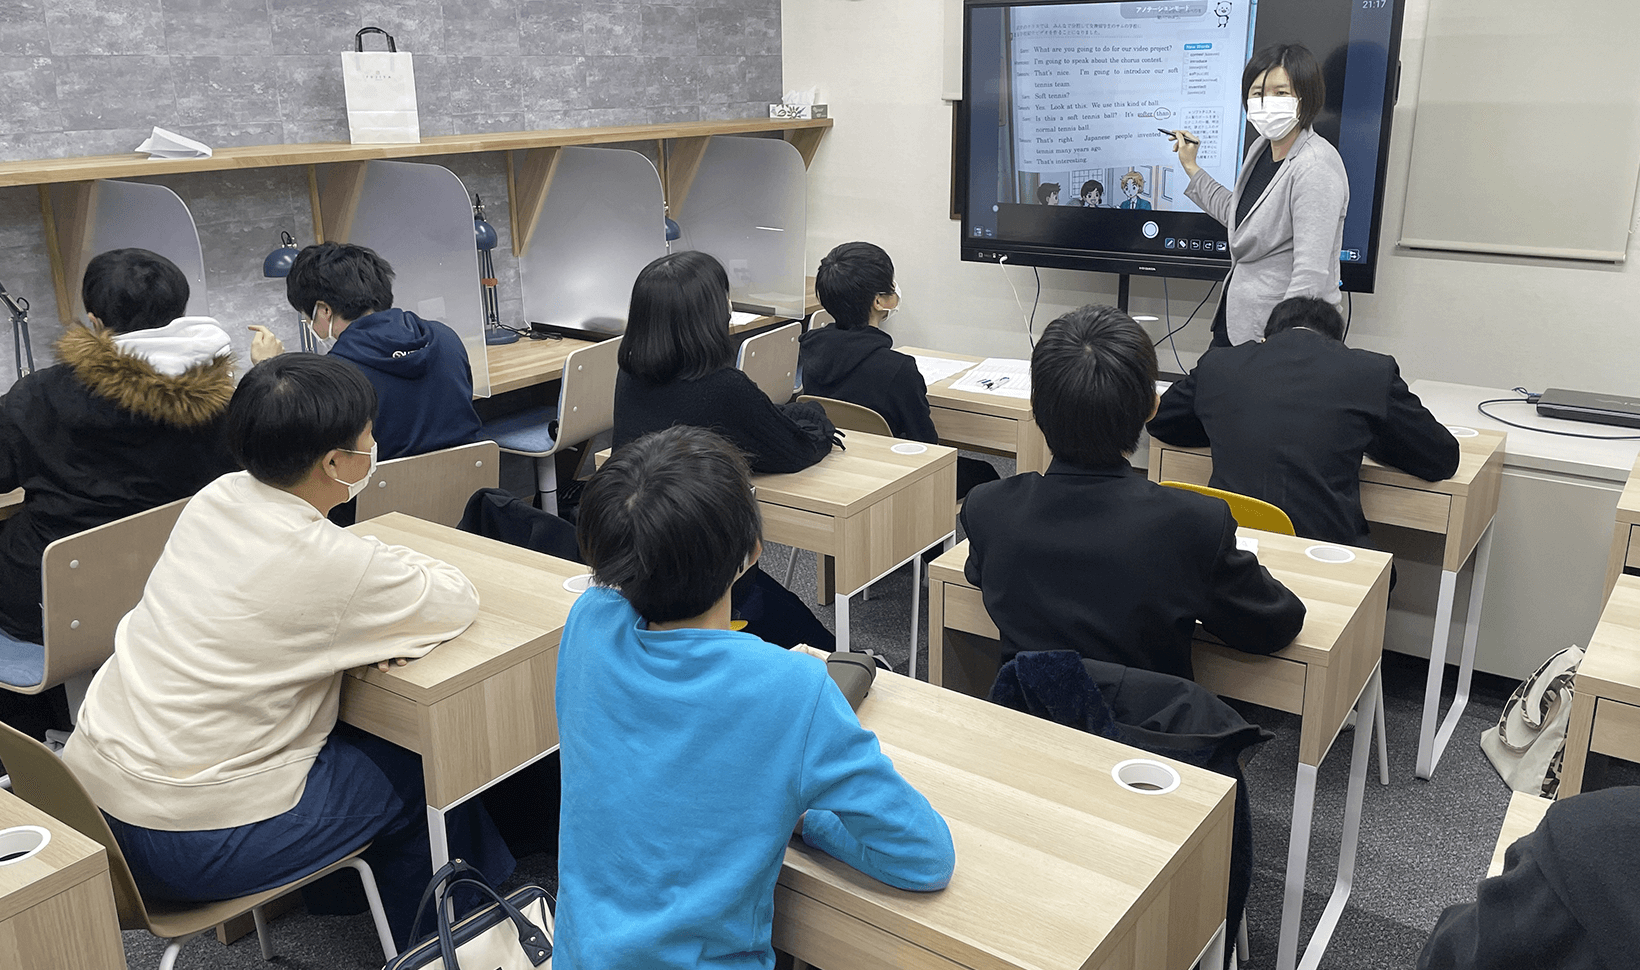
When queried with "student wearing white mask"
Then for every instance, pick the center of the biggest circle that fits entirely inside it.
(1286, 211)
(210, 739)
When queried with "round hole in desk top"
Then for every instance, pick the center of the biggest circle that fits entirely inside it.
(22, 842)
(1461, 432)
(578, 584)
(1329, 553)
(1145, 776)
(908, 448)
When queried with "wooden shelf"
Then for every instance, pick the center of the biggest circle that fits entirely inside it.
(804, 135)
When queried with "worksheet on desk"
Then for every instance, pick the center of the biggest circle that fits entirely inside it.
(1006, 376)
(936, 369)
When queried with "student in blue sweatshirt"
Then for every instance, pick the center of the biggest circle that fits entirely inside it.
(691, 753)
(418, 367)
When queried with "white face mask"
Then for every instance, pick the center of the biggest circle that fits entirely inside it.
(1274, 116)
(322, 344)
(888, 312)
(354, 488)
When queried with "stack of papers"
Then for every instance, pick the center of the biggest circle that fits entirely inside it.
(997, 375)
(936, 369)
(739, 319)
(169, 144)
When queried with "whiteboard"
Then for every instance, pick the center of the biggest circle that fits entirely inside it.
(1527, 135)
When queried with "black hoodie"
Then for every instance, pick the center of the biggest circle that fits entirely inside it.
(1569, 895)
(861, 367)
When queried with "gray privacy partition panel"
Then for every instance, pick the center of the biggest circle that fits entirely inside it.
(127, 215)
(748, 206)
(1527, 133)
(602, 220)
(419, 218)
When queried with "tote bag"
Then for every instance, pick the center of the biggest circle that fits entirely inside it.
(514, 933)
(381, 93)
(1528, 743)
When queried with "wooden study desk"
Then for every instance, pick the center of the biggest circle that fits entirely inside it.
(478, 707)
(867, 507)
(1606, 689)
(1331, 668)
(10, 503)
(1525, 812)
(1058, 867)
(992, 423)
(57, 908)
(526, 362)
(1461, 509)
(1625, 552)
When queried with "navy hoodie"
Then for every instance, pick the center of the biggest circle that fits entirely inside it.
(423, 382)
(861, 367)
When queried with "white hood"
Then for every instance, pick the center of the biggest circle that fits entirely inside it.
(183, 343)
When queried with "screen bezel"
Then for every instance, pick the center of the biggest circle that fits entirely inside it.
(1357, 277)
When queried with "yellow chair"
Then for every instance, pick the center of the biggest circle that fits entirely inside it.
(1249, 512)
(1253, 513)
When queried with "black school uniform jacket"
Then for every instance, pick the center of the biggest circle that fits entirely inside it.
(775, 438)
(1289, 420)
(97, 437)
(1568, 897)
(862, 367)
(1118, 568)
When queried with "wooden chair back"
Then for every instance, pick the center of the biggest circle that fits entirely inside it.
(586, 395)
(851, 417)
(770, 360)
(434, 487)
(1249, 512)
(90, 580)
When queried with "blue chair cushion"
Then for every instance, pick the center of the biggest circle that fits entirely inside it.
(528, 432)
(22, 664)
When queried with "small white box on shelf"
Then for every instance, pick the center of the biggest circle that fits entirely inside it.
(797, 111)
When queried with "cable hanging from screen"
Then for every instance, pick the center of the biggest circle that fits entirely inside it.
(1029, 318)
(1528, 397)
(1173, 330)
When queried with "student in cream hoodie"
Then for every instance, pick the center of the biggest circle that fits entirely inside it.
(129, 418)
(210, 739)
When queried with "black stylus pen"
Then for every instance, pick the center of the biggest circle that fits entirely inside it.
(1174, 134)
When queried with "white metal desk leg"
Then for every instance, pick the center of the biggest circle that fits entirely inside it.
(916, 604)
(1437, 672)
(1317, 947)
(1212, 955)
(1298, 858)
(438, 837)
(1383, 738)
(1432, 740)
(842, 621)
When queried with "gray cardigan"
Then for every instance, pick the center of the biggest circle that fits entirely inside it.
(1288, 245)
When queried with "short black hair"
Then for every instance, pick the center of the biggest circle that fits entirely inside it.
(292, 409)
(1044, 190)
(677, 327)
(670, 520)
(1311, 312)
(1309, 84)
(849, 279)
(1093, 385)
(133, 289)
(1093, 185)
(351, 279)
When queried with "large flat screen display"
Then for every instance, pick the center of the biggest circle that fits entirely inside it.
(1064, 102)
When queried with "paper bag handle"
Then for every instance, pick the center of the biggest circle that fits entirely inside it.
(358, 39)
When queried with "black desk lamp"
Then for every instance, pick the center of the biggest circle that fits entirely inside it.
(277, 266)
(484, 233)
(18, 307)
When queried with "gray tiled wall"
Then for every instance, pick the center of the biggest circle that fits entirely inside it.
(82, 77)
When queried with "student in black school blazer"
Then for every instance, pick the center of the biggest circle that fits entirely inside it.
(1094, 557)
(854, 359)
(1290, 418)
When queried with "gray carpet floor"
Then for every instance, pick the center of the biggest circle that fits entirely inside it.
(1424, 845)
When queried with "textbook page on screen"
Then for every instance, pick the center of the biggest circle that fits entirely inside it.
(1093, 83)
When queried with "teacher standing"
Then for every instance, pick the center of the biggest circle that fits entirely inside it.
(1286, 213)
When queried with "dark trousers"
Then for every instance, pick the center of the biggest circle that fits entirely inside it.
(360, 789)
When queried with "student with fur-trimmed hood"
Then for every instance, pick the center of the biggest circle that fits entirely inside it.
(128, 419)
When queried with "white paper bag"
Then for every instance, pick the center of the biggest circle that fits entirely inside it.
(381, 93)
